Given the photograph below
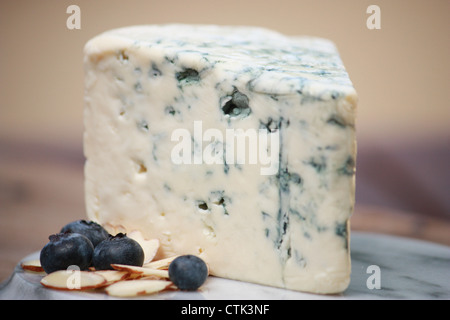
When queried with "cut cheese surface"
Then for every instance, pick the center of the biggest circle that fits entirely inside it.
(236, 144)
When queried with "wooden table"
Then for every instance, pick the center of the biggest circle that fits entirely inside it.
(41, 189)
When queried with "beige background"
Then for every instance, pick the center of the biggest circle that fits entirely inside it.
(401, 73)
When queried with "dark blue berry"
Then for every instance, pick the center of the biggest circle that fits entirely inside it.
(118, 249)
(64, 250)
(188, 272)
(92, 230)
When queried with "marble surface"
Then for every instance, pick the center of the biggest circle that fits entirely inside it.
(383, 267)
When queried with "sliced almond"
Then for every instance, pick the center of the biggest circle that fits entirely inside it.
(73, 280)
(150, 247)
(144, 272)
(133, 276)
(135, 288)
(149, 278)
(160, 264)
(112, 276)
(32, 265)
(128, 268)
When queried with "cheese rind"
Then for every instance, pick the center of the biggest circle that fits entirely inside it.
(152, 89)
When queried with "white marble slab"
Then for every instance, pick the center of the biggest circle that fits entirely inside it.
(405, 268)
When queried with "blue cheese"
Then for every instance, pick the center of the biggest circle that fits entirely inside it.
(236, 144)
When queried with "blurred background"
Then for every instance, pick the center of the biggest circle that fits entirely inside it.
(401, 73)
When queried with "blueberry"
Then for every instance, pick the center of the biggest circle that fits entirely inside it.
(66, 249)
(118, 249)
(92, 230)
(188, 272)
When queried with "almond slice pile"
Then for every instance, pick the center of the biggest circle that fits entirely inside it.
(123, 281)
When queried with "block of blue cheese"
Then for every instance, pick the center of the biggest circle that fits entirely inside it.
(233, 143)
